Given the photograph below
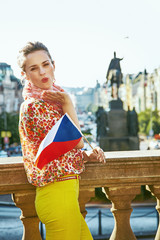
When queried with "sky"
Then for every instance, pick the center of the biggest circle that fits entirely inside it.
(82, 35)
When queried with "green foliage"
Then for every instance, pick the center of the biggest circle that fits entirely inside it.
(155, 125)
(91, 108)
(144, 118)
(99, 194)
(87, 132)
(12, 120)
(147, 120)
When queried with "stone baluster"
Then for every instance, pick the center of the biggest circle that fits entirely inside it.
(155, 190)
(84, 197)
(25, 201)
(121, 198)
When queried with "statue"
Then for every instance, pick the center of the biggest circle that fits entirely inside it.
(114, 75)
(102, 122)
(132, 122)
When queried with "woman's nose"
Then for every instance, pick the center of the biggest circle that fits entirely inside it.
(41, 70)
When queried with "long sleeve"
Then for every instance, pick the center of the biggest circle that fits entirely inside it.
(36, 119)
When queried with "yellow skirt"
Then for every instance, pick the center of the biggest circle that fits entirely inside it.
(58, 208)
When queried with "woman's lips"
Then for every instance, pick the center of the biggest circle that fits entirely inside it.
(44, 80)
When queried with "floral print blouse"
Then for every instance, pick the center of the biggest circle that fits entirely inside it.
(37, 117)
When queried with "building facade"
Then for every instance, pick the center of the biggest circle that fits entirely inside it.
(10, 90)
(89, 99)
(141, 91)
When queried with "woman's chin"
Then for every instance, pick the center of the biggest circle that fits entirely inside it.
(45, 87)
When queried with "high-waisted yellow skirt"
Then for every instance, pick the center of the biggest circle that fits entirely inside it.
(58, 208)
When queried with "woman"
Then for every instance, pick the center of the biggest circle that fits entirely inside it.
(57, 184)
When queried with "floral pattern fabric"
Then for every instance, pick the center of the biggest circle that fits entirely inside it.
(37, 117)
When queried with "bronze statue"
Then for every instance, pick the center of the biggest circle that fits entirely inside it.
(114, 75)
(132, 122)
(102, 122)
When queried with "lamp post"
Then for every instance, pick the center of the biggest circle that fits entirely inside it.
(151, 132)
(145, 85)
(4, 133)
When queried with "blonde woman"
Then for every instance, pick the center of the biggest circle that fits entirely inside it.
(57, 184)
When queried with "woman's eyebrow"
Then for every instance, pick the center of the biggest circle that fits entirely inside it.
(45, 61)
(36, 65)
(32, 66)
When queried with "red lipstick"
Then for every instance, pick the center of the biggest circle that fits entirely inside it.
(44, 80)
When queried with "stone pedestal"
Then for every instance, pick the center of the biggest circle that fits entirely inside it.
(121, 208)
(117, 123)
(25, 201)
(119, 144)
(155, 190)
(118, 138)
(84, 197)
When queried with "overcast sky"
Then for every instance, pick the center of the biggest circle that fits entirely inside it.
(83, 34)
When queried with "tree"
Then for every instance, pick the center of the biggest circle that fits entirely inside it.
(91, 108)
(154, 123)
(12, 126)
(149, 119)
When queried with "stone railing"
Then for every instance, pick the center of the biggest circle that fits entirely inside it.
(121, 176)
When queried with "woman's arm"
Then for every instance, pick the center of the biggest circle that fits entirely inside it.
(64, 99)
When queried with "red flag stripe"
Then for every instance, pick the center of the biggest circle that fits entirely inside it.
(48, 155)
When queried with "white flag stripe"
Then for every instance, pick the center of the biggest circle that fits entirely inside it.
(51, 134)
(49, 137)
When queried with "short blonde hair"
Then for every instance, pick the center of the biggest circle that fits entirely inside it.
(31, 47)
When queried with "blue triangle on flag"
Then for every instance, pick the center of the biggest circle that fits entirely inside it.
(67, 131)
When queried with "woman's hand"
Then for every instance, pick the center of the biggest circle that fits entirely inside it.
(60, 97)
(95, 155)
(67, 106)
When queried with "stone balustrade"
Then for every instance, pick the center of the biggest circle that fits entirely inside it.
(121, 178)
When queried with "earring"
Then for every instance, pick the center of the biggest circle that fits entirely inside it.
(23, 78)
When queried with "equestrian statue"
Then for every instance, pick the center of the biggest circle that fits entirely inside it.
(114, 75)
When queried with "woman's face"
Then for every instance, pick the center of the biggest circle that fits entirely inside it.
(39, 69)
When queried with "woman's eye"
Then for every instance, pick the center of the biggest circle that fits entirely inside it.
(32, 69)
(46, 64)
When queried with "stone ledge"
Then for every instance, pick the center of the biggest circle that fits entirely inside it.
(122, 168)
(121, 176)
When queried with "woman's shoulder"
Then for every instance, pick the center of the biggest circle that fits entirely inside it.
(31, 103)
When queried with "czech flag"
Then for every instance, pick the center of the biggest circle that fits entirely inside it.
(63, 137)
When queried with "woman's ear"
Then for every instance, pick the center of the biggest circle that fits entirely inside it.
(24, 76)
(22, 73)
